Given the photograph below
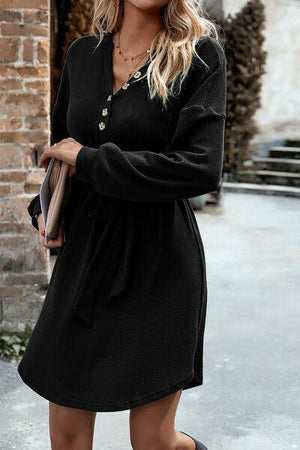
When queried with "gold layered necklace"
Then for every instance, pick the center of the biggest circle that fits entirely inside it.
(139, 56)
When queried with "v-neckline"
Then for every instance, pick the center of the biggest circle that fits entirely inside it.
(110, 64)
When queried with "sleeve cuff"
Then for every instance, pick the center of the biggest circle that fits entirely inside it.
(85, 162)
(35, 208)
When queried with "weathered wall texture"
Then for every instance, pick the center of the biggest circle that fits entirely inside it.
(279, 115)
(24, 129)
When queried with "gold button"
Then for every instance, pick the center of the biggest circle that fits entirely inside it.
(109, 98)
(137, 74)
(101, 125)
(104, 112)
(125, 86)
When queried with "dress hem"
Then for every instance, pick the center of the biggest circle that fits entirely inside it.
(187, 383)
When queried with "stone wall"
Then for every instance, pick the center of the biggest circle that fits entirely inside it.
(24, 131)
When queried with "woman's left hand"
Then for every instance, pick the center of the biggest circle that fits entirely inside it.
(65, 150)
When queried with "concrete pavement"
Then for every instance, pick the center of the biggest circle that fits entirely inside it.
(250, 396)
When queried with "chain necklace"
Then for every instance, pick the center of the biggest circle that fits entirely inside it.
(140, 56)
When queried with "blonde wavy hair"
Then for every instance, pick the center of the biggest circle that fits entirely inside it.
(172, 49)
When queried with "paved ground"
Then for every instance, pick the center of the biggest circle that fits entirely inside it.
(250, 396)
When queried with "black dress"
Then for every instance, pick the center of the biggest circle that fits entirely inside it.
(122, 323)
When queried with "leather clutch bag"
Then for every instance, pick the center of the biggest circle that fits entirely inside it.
(55, 193)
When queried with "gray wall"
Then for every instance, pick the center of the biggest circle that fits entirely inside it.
(279, 115)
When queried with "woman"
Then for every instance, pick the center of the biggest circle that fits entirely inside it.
(140, 118)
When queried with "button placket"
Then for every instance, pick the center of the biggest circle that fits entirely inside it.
(127, 84)
(105, 112)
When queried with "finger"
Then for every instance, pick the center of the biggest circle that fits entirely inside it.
(47, 155)
(42, 158)
(45, 162)
(60, 238)
(56, 242)
(41, 226)
(52, 243)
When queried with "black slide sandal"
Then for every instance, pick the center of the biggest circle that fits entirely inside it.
(199, 445)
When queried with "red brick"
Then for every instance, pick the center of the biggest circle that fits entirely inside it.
(11, 156)
(28, 4)
(35, 176)
(24, 137)
(36, 122)
(31, 188)
(14, 29)
(22, 103)
(24, 278)
(40, 85)
(10, 15)
(24, 71)
(14, 176)
(14, 209)
(4, 189)
(11, 227)
(9, 49)
(36, 17)
(17, 189)
(35, 256)
(10, 123)
(11, 84)
(11, 291)
(12, 260)
(43, 51)
(22, 310)
(28, 50)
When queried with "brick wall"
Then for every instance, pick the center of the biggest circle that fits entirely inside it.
(24, 131)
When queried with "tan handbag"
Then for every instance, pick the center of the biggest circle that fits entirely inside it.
(55, 196)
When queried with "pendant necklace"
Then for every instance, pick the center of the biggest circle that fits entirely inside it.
(139, 56)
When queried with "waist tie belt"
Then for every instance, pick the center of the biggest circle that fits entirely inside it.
(108, 270)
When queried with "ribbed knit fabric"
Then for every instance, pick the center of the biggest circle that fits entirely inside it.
(123, 319)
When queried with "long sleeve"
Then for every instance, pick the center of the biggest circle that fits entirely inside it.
(190, 166)
(59, 129)
(34, 208)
